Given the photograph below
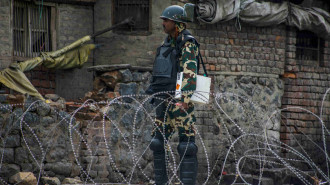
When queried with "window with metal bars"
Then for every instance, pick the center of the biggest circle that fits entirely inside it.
(31, 29)
(138, 9)
(309, 47)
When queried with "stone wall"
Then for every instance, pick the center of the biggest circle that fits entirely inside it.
(254, 75)
(35, 136)
(109, 131)
(247, 100)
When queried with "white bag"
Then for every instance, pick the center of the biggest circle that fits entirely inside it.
(203, 87)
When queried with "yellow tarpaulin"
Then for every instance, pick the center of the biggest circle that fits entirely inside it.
(14, 77)
(72, 59)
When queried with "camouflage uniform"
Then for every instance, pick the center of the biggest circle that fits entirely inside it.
(170, 117)
(178, 117)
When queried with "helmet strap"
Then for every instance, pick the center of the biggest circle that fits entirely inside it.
(179, 27)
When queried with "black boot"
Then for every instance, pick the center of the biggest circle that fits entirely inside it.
(157, 146)
(189, 163)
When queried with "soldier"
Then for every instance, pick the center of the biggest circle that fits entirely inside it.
(178, 53)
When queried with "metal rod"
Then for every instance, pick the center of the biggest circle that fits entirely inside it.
(129, 21)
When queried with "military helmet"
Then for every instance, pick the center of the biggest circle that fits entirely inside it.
(175, 13)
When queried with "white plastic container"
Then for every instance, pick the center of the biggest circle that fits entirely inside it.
(203, 87)
(178, 85)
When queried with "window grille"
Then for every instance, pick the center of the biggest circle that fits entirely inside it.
(138, 9)
(309, 46)
(31, 29)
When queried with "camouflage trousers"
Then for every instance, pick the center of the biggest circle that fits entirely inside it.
(171, 118)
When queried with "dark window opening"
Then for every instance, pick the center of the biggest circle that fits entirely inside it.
(138, 9)
(309, 47)
(31, 29)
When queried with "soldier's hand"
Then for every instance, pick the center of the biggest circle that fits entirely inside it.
(184, 105)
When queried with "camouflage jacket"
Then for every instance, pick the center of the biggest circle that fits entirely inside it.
(188, 65)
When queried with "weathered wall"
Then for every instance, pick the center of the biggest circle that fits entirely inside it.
(42, 79)
(136, 50)
(74, 22)
(306, 84)
(6, 43)
(33, 133)
(110, 130)
(245, 67)
(249, 69)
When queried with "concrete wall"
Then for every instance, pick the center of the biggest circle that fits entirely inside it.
(136, 50)
(6, 43)
(74, 22)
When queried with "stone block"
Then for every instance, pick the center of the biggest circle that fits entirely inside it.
(23, 178)
(128, 89)
(53, 97)
(31, 119)
(126, 75)
(8, 170)
(3, 98)
(103, 173)
(12, 141)
(43, 109)
(72, 181)
(90, 159)
(50, 180)
(47, 120)
(8, 155)
(98, 84)
(112, 78)
(137, 76)
(59, 168)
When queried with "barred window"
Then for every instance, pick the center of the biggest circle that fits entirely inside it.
(309, 47)
(31, 29)
(138, 9)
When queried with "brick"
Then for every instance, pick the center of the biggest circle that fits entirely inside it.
(45, 84)
(49, 91)
(211, 53)
(207, 66)
(233, 61)
(202, 52)
(206, 53)
(242, 35)
(36, 83)
(233, 55)
(212, 67)
(111, 95)
(252, 36)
